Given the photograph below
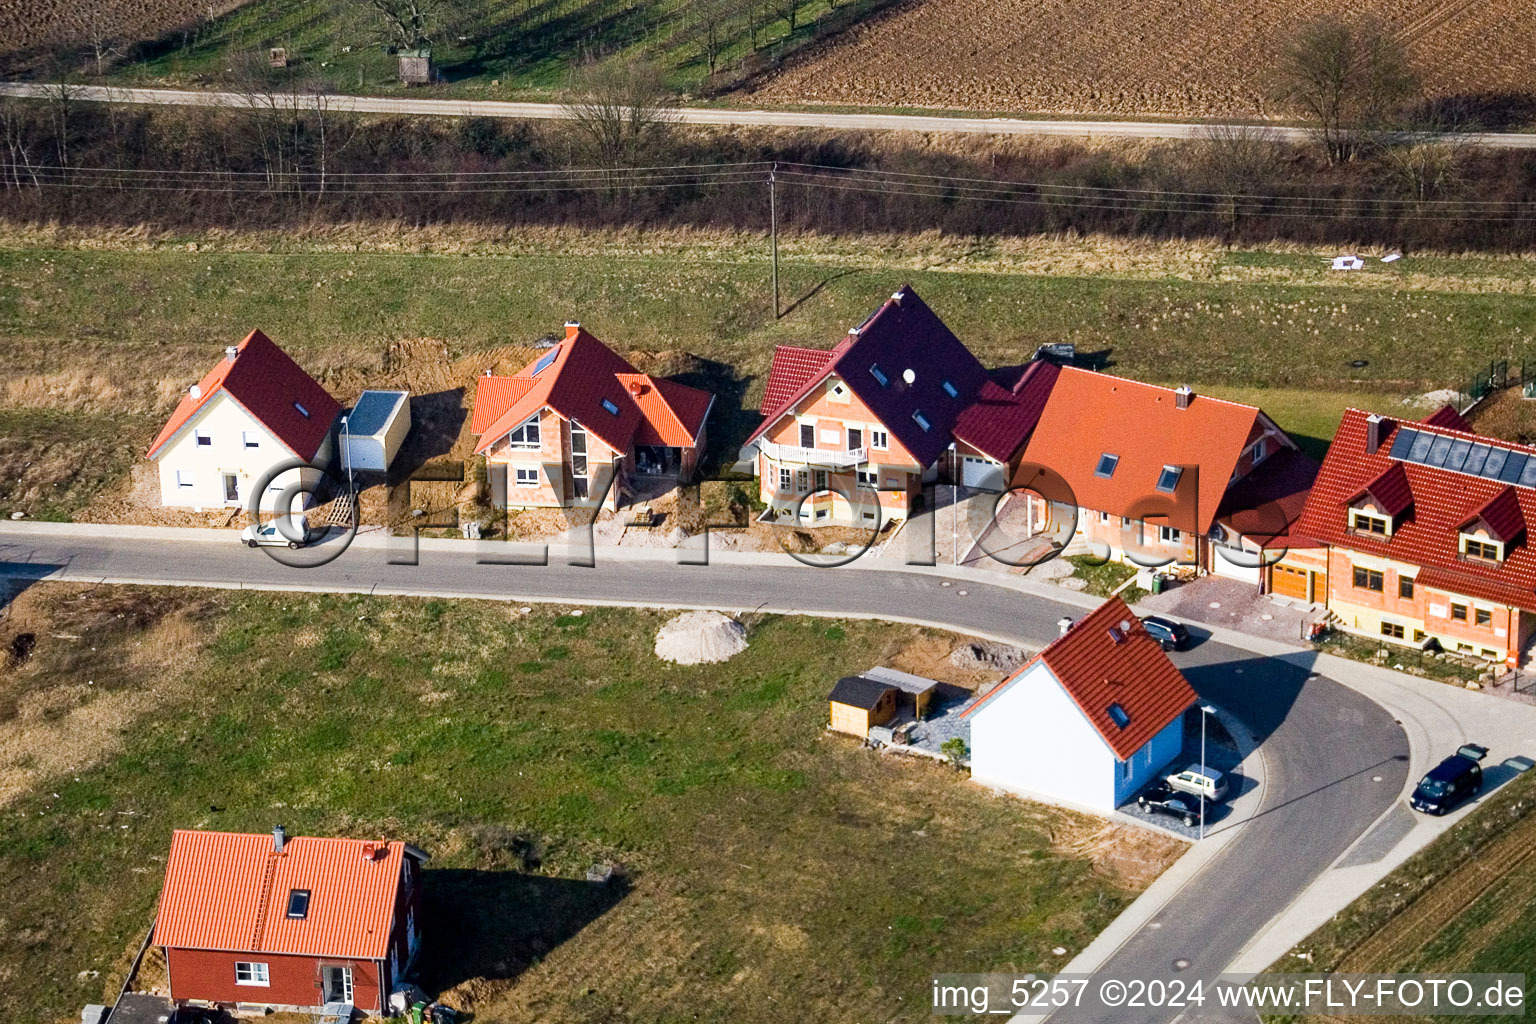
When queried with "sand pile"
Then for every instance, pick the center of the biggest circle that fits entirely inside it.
(696, 638)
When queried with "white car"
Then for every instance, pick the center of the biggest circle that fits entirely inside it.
(1199, 780)
(290, 531)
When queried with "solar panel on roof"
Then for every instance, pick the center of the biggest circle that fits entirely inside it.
(1495, 464)
(1513, 467)
(1438, 451)
(1403, 442)
(1421, 444)
(1476, 458)
(1458, 455)
(544, 361)
(1528, 474)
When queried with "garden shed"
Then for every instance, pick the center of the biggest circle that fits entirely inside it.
(373, 429)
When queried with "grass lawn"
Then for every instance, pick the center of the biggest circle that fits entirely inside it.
(1466, 902)
(119, 325)
(768, 863)
(1103, 578)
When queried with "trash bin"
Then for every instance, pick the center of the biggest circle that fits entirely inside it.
(1157, 584)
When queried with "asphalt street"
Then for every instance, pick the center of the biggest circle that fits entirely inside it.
(1334, 760)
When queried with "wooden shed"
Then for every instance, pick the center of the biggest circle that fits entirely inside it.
(858, 703)
(416, 67)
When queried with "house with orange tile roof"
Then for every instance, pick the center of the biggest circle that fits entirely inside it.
(850, 434)
(255, 409)
(579, 424)
(1088, 722)
(1423, 532)
(1152, 475)
(269, 923)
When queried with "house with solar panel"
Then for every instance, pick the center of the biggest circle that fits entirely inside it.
(267, 923)
(1088, 722)
(1421, 529)
(580, 425)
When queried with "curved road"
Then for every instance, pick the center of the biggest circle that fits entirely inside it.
(703, 115)
(1322, 743)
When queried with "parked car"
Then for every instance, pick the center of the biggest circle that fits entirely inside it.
(1200, 780)
(1161, 798)
(1457, 778)
(1172, 635)
(294, 532)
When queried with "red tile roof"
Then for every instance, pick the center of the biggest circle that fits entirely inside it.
(1001, 419)
(1264, 505)
(268, 385)
(1389, 492)
(582, 374)
(793, 369)
(228, 891)
(1501, 515)
(1099, 664)
(1092, 414)
(1427, 536)
(1447, 416)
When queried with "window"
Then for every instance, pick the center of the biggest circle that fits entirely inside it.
(879, 439)
(1419, 636)
(1125, 771)
(204, 439)
(1103, 517)
(1479, 549)
(527, 476)
(950, 390)
(1168, 535)
(1392, 630)
(185, 479)
(807, 435)
(1405, 587)
(821, 513)
(1168, 479)
(920, 419)
(1365, 522)
(248, 973)
(1459, 612)
(837, 390)
(1368, 579)
(544, 361)
(1467, 648)
(1491, 655)
(855, 439)
(1482, 616)
(802, 481)
(250, 439)
(867, 477)
(821, 479)
(879, 375)
(1260, 449)
(525, 436)
(1107, 464)
(609, 407)
(302, 411)
(1118, 716)
(298, 902)
(785, 481)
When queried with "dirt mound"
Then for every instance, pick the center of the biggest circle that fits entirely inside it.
(696, 638)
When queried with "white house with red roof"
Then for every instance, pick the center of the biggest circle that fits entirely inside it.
(1088, 722)
(255, 409)
(1424, 535)
(849, 435)
(259, 923)
(581, 424)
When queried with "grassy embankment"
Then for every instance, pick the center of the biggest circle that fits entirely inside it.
(98, 335)
(768, 863)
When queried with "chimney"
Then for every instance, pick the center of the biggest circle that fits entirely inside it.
(231, 352)
(279, 838)
(896, 297)
(1183, 396)
(572, 328)
(1063, 624)
(1375, 429)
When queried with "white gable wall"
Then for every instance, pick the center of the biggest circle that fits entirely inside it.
(226, 423)
(1033, 740)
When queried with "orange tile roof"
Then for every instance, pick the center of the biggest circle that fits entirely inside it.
(1091, 414)
(229, 891)
(493, 397)
(672, 414)
(267, 384)
(1097, 668)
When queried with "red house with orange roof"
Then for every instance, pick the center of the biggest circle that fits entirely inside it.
(1089, 721)
(272, 923)
(580, 424)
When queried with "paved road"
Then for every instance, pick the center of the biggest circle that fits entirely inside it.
(1323, 743)
(715, 115)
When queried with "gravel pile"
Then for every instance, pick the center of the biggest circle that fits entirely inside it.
(696, 638)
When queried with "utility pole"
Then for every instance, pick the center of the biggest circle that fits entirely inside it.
(773, 232)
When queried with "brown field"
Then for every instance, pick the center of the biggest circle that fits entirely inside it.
(1181, 58)
(30, 26)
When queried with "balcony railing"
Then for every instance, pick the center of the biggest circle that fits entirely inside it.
(814, 457)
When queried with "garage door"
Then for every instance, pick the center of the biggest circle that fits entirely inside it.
(981, 473)
(1288, 582)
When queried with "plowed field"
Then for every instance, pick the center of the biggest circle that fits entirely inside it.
(31, 27)
(1180, 58)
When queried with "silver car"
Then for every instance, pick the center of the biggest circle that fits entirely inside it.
(289, 531)
(1199, 780)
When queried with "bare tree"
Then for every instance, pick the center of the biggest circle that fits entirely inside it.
(710, 27)
(789, 10)
(1235, 160)
(101, 38)
(621, 114)
(18, 130)
(412, 24)
(1347, 77)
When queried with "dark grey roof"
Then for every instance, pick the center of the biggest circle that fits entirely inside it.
(373, 411)
(858, 692)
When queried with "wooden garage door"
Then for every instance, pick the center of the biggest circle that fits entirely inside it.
(1288, 582)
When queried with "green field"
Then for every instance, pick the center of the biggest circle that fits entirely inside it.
(768, 863)
(115, 327)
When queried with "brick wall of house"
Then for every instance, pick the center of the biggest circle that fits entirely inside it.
(1428, 612)
(554, 449)
(209, 976)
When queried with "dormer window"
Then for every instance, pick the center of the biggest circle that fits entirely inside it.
(1369, 522)
(1477, 547)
